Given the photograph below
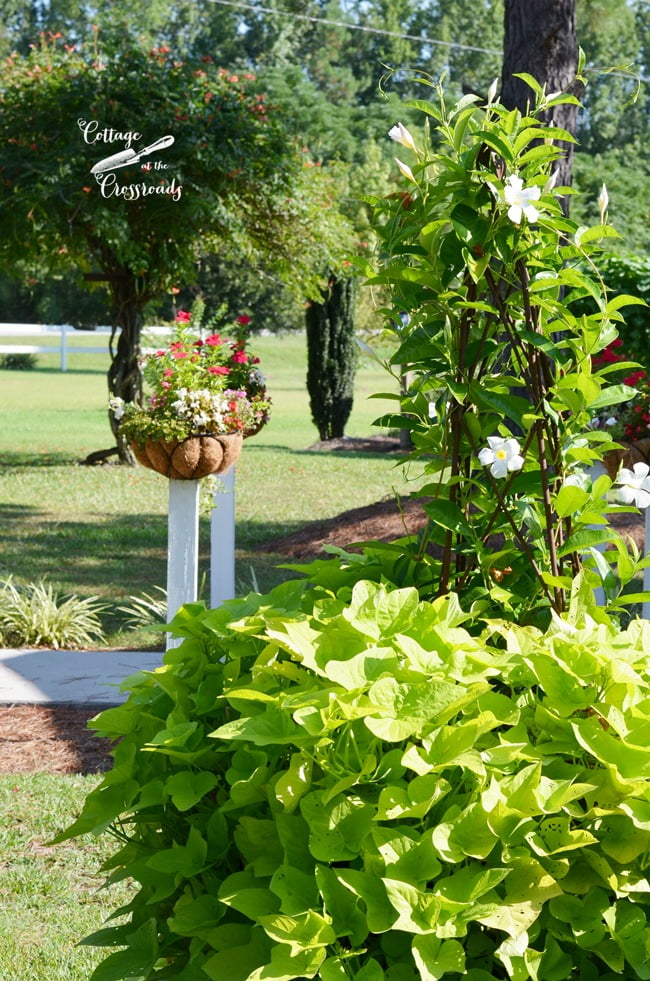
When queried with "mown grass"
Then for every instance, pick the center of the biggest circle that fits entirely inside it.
(102, 530)
(50, 896)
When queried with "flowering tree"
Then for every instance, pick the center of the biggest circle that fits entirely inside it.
(126, 167)
(482, 266)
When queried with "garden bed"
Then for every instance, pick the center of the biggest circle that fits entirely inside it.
(56, 739)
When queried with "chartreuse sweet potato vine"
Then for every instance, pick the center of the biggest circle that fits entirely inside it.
(482, 266)
(358, 787)
(353, 778)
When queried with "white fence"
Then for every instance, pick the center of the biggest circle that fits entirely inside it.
(61, 334)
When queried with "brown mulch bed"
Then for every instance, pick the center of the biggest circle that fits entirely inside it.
(55, 739)
(50, 738)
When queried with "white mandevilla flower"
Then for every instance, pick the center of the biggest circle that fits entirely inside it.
(634, 485)
(400, 134)
(520, 199)
(603, 202)
(405, 170)
(501, 455)
(578, 479)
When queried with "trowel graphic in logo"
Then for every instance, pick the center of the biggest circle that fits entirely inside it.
(126, 157)
(103, 172)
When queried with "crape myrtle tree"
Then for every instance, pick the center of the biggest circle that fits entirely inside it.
(226, 172)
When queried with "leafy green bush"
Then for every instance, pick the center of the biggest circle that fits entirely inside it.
(364, 785)
(35, 615)
(18, 362)
(627, 274)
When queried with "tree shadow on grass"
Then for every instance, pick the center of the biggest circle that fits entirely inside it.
(321, 450)
(14, 460)
(113, 559)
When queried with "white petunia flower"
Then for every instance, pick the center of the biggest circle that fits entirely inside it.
(405, 170)
(520, 199)
(400, 134)
(634, 485)
(501, 455)
(116, 405)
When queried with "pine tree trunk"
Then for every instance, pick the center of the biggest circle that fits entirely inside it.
(540, 39)
(331, 357)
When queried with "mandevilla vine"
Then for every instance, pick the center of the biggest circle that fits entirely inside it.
(481, 265)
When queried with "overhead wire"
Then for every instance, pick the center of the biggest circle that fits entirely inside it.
(423, 39)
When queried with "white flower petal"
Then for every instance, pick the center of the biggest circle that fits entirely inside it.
(400, 134)
(486, 456)
(499, 469)
(625, 494)
(405, 170)
(515, 463)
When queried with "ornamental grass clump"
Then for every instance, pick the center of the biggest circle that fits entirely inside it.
(197, 385)
(35, 615)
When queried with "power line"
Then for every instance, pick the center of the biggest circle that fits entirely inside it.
(396, 34)
(357, 27)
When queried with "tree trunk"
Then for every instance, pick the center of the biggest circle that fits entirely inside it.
(124, 375)
(331, 357)
(540, 39)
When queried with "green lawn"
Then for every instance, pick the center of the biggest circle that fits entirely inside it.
(49, 896)
(102, 530)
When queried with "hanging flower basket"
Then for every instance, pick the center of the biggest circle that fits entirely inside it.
(190, 458)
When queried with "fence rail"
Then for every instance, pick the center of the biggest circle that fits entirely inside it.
(64, 333)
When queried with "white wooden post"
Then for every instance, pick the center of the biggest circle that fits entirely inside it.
(222, 541)
(182, 547)
(646, 572)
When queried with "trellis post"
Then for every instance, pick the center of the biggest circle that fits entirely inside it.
(182, 547)
(222, 541)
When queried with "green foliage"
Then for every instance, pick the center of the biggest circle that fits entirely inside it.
(234, 174)
(331, 357)
(358, 784)
(34, 615)
(18, 362)
(483, 267)
(628, 274)
(625, 171)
